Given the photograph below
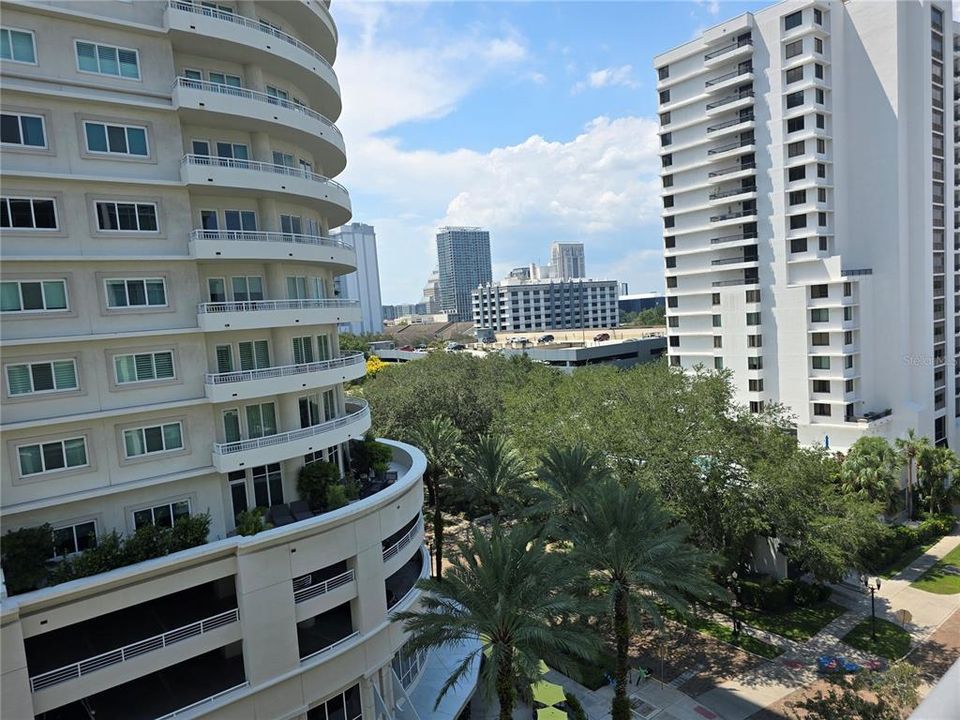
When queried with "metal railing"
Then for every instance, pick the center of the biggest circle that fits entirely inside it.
(732, 169)
(112, 657)
(407, 538)
(734, 214)
(263, 236)
(236, 19)
(246, 94)
(733, 261)
(728, 48)
(729, 99)
(283, 370)
(731, 193)
(727, 76)
(738, 281)
(282, 438)
(256, 165)
(731, 146)
(307, 592)
(730, 123)
(198, 703)
(859, 271)
(328, 648)
(212, 308)
(733, 238)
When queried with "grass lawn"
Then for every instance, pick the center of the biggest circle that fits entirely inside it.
(892, 641)
(798, 624)
(725, 633)
(908, 556)
(939, 579)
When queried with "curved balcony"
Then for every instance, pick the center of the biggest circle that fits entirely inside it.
(305, 13)
(261, 245)
(246, 384)
(237, 38)
(205, 173)
(258, 314)
(243, 109)
(283, 446)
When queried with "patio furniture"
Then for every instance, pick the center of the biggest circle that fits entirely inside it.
(300, 510)
(548, 693)
(551, 713)
(391, 477)
(280, 515)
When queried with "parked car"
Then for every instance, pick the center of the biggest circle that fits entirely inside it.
(488, 340)
(543, 339)
(407, 348)
(455, 347)
(421, 348)
(601, 337)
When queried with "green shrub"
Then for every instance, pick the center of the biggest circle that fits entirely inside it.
(574, 707)
(107, 555)
(250, 522)
(189, 532)
(146, 543)
(24, 554)
(336, 497)
(313, 481)
(372, 456)
(934, 527)
(767, 594)
(809, 594)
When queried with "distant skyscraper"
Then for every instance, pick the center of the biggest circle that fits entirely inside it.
(567, 261)
(364, 284)
(431, 293)
(463, 254)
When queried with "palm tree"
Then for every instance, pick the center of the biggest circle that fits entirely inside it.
(565, 472)
(870, 469)
(509, 593)
(622, 536)
(910, 448)
(935, 467)
(495, 474)
(439, 439)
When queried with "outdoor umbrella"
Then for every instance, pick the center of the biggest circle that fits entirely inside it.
(551, 713)
(548, 693)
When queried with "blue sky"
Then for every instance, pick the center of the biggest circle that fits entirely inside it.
(535, 120)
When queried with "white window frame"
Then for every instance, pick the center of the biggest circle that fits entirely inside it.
(20, 283)
(65, 468)
(110, 153)
(97, 46)
(116, 210)
(23, 145)
(33, 213)
(33, 391)
(126, 289)
(73, 527)
(33, 42)
(169, 505)
(153, 361)
(142, 430)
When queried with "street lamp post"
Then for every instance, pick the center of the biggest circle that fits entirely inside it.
(872, 589)
(733, 584)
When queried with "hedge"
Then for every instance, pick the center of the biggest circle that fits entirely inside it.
(781, 594)
(901, 538)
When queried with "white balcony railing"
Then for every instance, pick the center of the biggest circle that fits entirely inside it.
(104, 660)
(186, 6)
(205, 700)
(283, 370)
(229, 448)
(403, 541)
(246, 94)
(264, 236)
(330, 647)
(308, 592)
(257, 166)
(210, 308)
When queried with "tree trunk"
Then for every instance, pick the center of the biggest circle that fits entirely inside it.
(910, 489)
(438, 536)
(621, 628)
(505, 690)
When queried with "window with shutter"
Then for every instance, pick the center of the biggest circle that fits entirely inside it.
(303, 350)
(144, 365)
(224, 358)
(231, 425)
(261, 354)
(246, 356)
(163, 365)
(323, 347)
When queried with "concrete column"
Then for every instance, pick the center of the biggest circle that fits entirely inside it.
(262, 150)
(371, 603)
(267, 215)
(15, 681)
(368, 705)
(247, 8)
(253, 76)
(276, 281)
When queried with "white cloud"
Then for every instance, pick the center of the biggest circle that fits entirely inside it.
(621, 75)
(711, 6)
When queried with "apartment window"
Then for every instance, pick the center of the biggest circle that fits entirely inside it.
(793, 49)
(792, 20)
(666, 160)
(795, 99)
(821, 195)
(821, 122)
(669, 221)
(821, 219)
(673, 321)
(848, 386)
(671, 262)
(818, 16)
(820, 339)
(818, 96)
(28, 213)
(247, 288)
(669, 241)
(23, 130)
(820, 362)
(756, 406)
(33, 295)
(821, 409)
(754, 341)
(755, 363)
(140, 292)
(753, 296)
(672, 302)
(821, 170)
(718, 363)
(848, 314)
(847, 289)
(242, 220)
(798, 245)
(261, 420)
(674, 341)
(116, 139)
(674, 361)
(254, 355)
(716, 320)
(795, 124)
(796, 149)
(667, 181)
(797, 197)
(165, 515)
(231, 81)
(268, 485)
(818, 45)
(153, 439)
(108, 60)
(821, 146)
(666, 139)
(716, 299)
(819, 291)
(71, 539)
(717, 341)
(143, 367)
(664, 96)
(818, 315)
(798, 221)
(127, 217)
(848, 337)
(668, 201)
(17, 45)
(794, 75)
(41, 377)
(753, 318)
(52, 456)
(818, 71)
(663, 73)
(665, 118)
